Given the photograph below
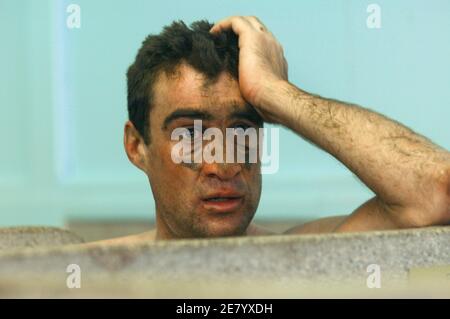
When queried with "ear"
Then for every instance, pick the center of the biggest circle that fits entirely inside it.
(135, 146)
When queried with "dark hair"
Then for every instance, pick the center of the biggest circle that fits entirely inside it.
(206, 53)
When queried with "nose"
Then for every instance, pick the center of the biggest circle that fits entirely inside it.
(222, 171)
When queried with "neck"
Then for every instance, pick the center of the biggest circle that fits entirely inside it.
(162, 230)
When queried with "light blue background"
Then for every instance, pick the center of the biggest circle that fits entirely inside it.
(63, 97)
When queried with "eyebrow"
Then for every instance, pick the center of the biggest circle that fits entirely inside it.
(186, 113)
(248, 114)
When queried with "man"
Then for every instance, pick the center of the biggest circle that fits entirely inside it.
(234, 75)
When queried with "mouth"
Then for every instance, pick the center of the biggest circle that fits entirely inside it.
(222, 202)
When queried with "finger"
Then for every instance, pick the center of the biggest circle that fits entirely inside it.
(257, 24)
(236, 23)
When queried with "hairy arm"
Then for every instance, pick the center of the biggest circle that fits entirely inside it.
(408, 173)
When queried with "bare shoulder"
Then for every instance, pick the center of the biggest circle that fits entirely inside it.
(324, 225)
(320, 226)
(148, 236)
(256, 230)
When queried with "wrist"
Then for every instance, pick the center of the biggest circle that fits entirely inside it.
(271, 100)
(283, 102)
(272, 93)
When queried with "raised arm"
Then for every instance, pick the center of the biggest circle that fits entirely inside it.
(408, 173)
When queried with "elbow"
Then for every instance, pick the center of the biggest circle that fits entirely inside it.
(432, 203)
(439, 198)
(447, 197)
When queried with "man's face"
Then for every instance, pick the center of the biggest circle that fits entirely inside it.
(205, 199)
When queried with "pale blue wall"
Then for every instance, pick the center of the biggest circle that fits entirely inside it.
(63, 97)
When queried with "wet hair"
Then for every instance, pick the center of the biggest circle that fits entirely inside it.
(207, 53)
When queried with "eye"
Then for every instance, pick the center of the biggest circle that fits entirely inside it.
(244, 136)
(192, 133)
